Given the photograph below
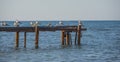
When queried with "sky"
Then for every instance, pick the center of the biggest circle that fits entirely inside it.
(60, 9)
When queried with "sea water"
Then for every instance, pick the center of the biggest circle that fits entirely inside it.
(101, 42)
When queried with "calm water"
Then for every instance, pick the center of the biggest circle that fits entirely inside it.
(101, 42)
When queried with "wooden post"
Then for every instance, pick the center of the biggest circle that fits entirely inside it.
(17, 40)
(67, 38)
(36, 37)
(75, 37)
(70, 39)
(24, 39)
(79, 33)
(62, 37)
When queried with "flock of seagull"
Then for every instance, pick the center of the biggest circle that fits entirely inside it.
(33, 24)
(16, 23)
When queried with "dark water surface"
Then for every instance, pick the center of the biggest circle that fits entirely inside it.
(101, 42)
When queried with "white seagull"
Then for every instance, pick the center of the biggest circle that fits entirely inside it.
(16, 23)
(4, 24)
(60, 23)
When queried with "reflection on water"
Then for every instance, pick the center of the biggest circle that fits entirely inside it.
(101, 42)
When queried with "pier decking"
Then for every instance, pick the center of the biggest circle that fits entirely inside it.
(65, 33)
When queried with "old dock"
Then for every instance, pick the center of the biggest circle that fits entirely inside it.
(65, 33)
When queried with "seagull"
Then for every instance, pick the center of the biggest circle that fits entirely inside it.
(36, 23)
(4, 24)
(60, 23)
(49, 24)
(79, 22)
(32, 24)
(16, 23)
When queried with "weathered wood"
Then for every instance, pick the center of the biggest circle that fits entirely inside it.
(65, 30)
(75, 37)
(24, 39)
(40, 28)
(67, 38)
(62, 37)
(79, 33)
(36, 37)
(17, 39)
(70, 39)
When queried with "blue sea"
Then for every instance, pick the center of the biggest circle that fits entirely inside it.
(99, 43)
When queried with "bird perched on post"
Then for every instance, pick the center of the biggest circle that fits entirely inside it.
(16, 23)
(80, 23)
(34, 24)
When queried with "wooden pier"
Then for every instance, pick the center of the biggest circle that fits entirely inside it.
(65, 33)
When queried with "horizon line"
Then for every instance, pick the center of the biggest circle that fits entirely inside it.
(66, 20)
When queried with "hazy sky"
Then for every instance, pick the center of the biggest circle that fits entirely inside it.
(59, 9)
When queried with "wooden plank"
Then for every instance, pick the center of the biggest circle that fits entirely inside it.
(40, 28)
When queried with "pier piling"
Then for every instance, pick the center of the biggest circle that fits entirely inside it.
(79, 33)
(17, 39)
(75, 37)
(62, 37)
(67, 38)
(70, 42)
(24, 39)
(36, 36)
